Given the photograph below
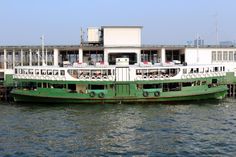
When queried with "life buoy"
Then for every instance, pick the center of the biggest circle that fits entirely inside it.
(145, 94)
(101, 95)
(156, 93)
(92, 94)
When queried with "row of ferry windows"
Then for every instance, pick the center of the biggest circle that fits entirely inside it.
(62, 72)
(39, 71)
(223, 56)
(203, 70)
(156, 71)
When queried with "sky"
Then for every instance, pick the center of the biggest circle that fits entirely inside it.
(163, 21)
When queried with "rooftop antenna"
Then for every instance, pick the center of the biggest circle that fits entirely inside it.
(217, 29)
(81, 36)
(42, 44)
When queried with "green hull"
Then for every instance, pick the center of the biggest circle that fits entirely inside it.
(213, 93)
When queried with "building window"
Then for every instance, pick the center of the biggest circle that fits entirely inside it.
(235, 56)
(231, 55)
(225, 56)
(17, 58)
(219, 55)
(213, 56)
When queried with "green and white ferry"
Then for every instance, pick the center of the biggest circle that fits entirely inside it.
(122, 82)
(112, 66)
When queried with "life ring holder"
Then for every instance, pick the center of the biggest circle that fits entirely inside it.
(92, 94)
(145, 94)
(101, 95)
(156, 93)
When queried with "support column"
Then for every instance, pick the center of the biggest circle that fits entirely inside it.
(38, 57)
(139, 57)
(163, 55)
(55, 57)
(81, 55)
(21, 57)
(106, 56)
(5, 58)
(30, 57)
(46, 57)
(13, 58)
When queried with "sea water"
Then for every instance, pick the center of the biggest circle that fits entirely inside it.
(202, 128)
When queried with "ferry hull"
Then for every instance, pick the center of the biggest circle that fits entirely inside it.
(43, 99)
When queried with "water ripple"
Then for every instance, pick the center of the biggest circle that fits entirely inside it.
(188, 129)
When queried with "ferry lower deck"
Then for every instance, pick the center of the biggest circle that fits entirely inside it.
(115, 92)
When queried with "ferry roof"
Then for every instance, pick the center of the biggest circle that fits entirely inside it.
(100, 47)
(121, 26)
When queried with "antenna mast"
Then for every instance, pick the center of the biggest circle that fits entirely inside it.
(217, 29)
(81, 36)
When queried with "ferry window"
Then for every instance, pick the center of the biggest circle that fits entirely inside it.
(31, 71)
(45, 85)
(49, 72)
(37, 71)
(223, 68)
(203, 82)
(191, 70)
(62, 72)
(72, 87)
(43, 72)
(219, 55)
(215, 69)
(186, 84)
(171, 87)
(151, 86)
(25, 71)
(213, 55)
(184, 71)
(138, 72)
(214, 80)
(55, 72)
(97, 87)
(15, 71)
(231, 55)
(58, 85)
(235, 56)
(109, 72)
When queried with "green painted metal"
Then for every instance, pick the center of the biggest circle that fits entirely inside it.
(64, 96)
(122, 90)
(8, 81)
